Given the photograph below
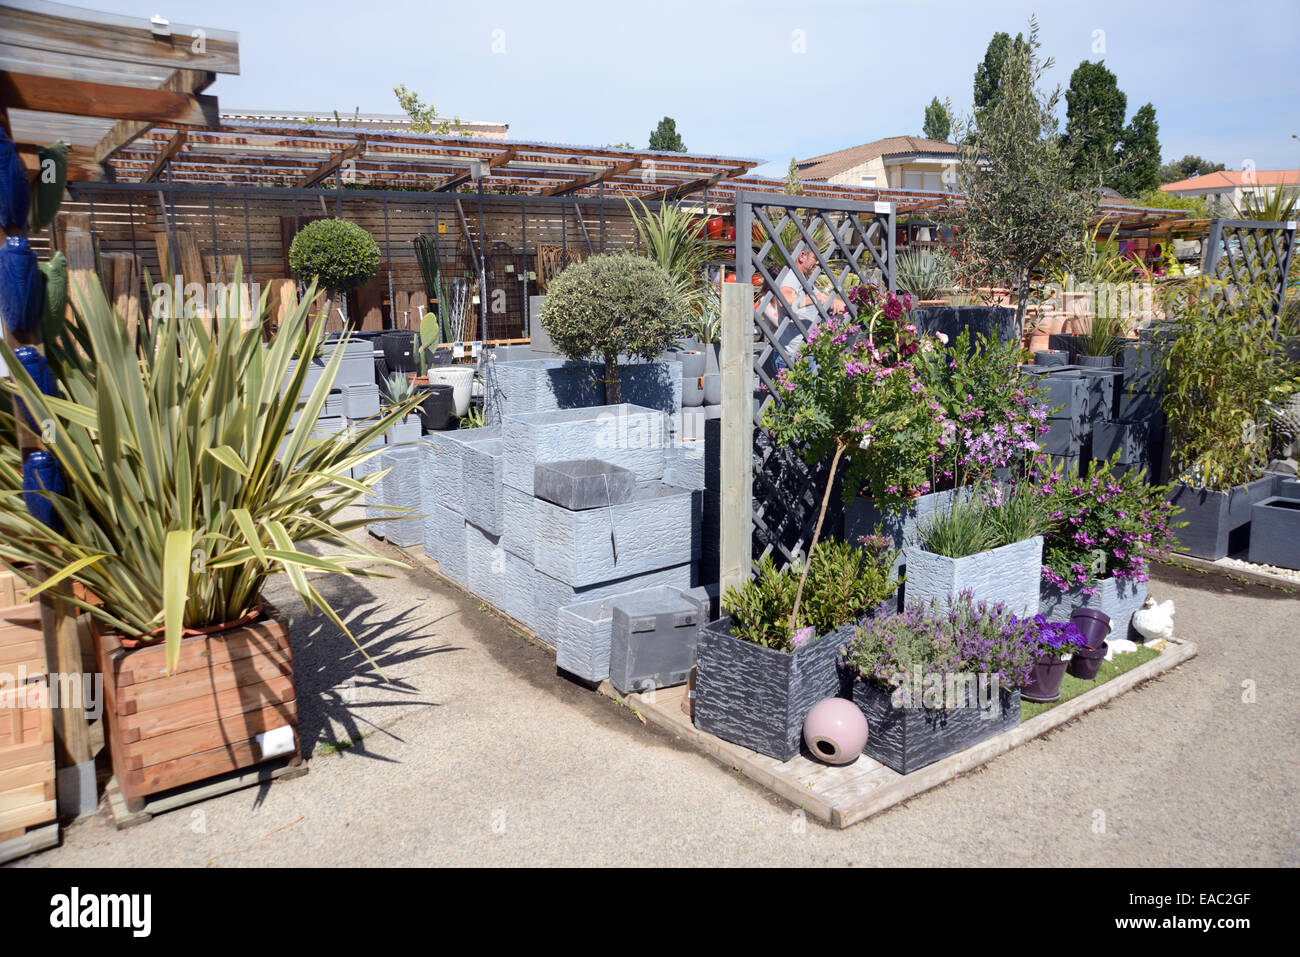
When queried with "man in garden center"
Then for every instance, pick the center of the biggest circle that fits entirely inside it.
(800, 302)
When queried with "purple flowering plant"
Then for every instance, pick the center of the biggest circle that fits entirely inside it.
(1105, 525)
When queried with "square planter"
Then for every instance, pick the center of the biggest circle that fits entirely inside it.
(653, 530)
(224, 708)
(1218, 523)
(909, 738)
(582, 638)
(583, 483)
(757, 697)
(481, 464)
(633, 437)
(486, 564)
(1275, 532)
(538, 385)
(1105, 387)
(1117, 597)
(1011, 574)
(517, 522)
(862, 515)
(1129, 439)
(400, 488)
(652, 639)
(452, 544)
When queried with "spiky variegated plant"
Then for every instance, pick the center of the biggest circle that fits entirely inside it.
(179, 504)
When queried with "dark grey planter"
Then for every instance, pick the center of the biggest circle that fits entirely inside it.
(1275, 532)
(1218, 523)
(757, 697)
(1051, 358)
(911, 737)
(996, 321)
(1095, 362)
(1117, 598)
(1129, 439)
(1010, 575)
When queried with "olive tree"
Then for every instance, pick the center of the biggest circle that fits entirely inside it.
(336, 254)
(612, 304)
(1023, 208)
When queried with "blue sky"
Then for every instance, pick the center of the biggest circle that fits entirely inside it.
(758, 78)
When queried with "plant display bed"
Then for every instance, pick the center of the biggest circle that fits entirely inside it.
(844, 795)
(27, 796)
(166, 731)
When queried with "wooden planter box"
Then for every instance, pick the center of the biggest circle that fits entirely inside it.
(169, 730)
(757, 697)
(909, 738)
(27, 790)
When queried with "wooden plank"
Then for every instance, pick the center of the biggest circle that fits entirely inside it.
(57, 32)
(122, 280)
(332, 163)
(584, 182)
(227, 732)
(141, 666)
(194, 767)
(221, 705)
(82, 165)
(78, 98)
(277, 769)
(222, 676)
(737, 452)
(173, 147)
(500, 159)
(126, 132)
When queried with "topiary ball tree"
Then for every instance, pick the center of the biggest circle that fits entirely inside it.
(339, 255)
(612, 304)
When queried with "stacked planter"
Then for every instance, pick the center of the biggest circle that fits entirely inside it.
(694, 464)
(516, 387)
(354, 395)
(701, 386)
(1218, 522)
(863, 515)
(556, 567)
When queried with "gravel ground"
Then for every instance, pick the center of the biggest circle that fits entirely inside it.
(479, 753)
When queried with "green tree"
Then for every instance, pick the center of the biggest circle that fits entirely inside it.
(1138, 155)
(1095, 108)
(1023, 206)
(793, 181)
(938, 120)
(1186, 168)
(612, 304)
(424, 117)
(665, 137)
(988, 75)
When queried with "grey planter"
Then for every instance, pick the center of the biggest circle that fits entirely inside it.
(400, 488)
(551, 594)
(449, 462)
(1065, 394)
(1288, 487)
(1218, 523)
(583, 483)
(1128, 439)
(1117, 598)
(1104, 390)
(653, 530)
(406, 432)
(481, 464)
(538, 385)
(517, 522)
(485, 575)
(652, 640)
(631, 436)
(1095, 362)
(582, 639)
(862, 515)
(909, 738)
(713, 388)
(452, 545)
(692, 361)
(757, 697)
(1275, 532)
(1011, 575)
(517, 589)
(693, 392)
(361, 400)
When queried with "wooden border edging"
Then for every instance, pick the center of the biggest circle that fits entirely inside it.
(36, 839)
(788, 781)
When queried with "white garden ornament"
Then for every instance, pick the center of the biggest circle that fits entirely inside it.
(1155, 622)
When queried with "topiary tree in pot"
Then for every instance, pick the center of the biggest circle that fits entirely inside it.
(612, 304)
(337, 255)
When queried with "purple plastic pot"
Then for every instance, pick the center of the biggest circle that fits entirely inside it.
(1045, 679)
(1095, 625)
(1086, 663)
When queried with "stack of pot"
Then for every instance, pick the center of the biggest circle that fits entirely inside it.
(701, 385)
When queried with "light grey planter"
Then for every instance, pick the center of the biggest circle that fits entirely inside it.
(693, 391)
(627, 435)
(692, 362)
(487, 565)
(862, 515)
(405, 432)
(583, 483)
(358, 365)
(400, 488)
(481, 462)
(582, 639)
(452, 544)
(517, 590)
(652, 640)
(1118, 598)
(712, 389)
(361, 401)
(653, 530)
(758, 697)
(538, 385)
(517, 522)
(1011, 574)
(550, 594)
(449, 462)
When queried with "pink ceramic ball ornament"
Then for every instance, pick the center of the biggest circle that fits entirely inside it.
(835, 731)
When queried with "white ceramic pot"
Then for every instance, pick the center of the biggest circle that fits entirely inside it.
(461, 380)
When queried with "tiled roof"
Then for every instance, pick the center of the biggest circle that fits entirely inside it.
(828, 164)
(1232, 178)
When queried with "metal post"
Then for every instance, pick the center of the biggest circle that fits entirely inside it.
(388, 254)
(523, 268)
(482, 268)
(602, 215)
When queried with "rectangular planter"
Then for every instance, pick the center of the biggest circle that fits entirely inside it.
(358, 365)
(481, 461)
(1275, 532)
(1065, 394)
(486, 564)
(757, 697)
(517, 522)
(582, 638)
(1129, 439)
(909, 738)
(518, 589)
(631, 436)
(538, 385)
(449, 462)
(400, 488)
(653, 530)
(1104, 390)
(862, 515)
(551, 594)
(27, 775)
(1218, 523)
(652, 639)
(204, 719)
(452, 544)
(1118, 598)
(1011, 574)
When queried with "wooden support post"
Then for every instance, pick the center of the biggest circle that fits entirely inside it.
(737, 452)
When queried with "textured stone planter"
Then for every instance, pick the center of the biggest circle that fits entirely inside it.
(582, 639)
(450, 540)
(449, 462)
(1275, 532)
(1218, 523)
(757, 697)
(358, 365)
(1118, 598)
(631, 436)
(653, 530)
(538, 385)
(400, 488)
(481, 465)
(583, 483)
(1010, 574)
(862, 515)
(1129, 439)
(652, 639)
(551, 594)
(485, 575)
(517, 522)
(909, 738)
